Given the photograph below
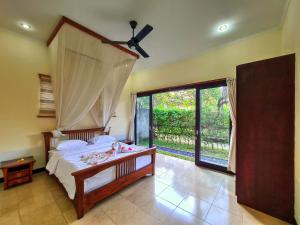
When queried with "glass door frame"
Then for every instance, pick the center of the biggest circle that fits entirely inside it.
(198, 162)
(197, 87)
(150, 119)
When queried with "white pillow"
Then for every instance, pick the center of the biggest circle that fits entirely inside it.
(102, 139)
(70, 144)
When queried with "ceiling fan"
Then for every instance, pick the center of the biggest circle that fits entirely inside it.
(133, 43)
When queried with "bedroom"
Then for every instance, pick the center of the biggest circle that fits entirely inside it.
(182, 52)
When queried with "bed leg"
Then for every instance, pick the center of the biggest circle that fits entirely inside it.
(79, 203)
(79, 214)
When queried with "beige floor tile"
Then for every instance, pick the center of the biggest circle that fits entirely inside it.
(182, 217)
(70, 215)
(195, 206)
(92, 219)
(129, 190)
(154, 186)
(8, 201)
(48, 214)
(110, 202)
(159, 208)
(25, 191)
(58, 193)
(228, 188)
(166, 179)
(228, 203)
(120, 210)
(150, 201)
(141, 197)
(254, 217)
(210, 183)
(64, 204)
(217, 216)
(205, 194)
(172, 195)
(140, 218)
(8, 193)
(10, 218)
(30, 205)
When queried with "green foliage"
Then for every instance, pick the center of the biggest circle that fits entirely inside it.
(174, 121)
(174, 116)
(184, 99)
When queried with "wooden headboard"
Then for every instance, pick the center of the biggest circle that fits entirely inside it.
(83, 134)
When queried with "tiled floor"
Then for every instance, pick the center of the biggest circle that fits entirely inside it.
(179, 193)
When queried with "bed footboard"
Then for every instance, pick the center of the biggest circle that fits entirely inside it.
(126, 174)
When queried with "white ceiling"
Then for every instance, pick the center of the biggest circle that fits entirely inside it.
(182, 28)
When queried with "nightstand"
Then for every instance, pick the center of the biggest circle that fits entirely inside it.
(17, 171)
(128, 142)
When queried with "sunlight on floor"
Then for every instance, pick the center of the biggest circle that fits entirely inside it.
(179, 193)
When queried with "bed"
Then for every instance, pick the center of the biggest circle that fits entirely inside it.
(89, 184)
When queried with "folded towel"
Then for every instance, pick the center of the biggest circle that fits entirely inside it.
(127, 149)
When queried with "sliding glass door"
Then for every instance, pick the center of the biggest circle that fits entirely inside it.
(213, 127)
(189, 122)
(142, 121)
(174, 123)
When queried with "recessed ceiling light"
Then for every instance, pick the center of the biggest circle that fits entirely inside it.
(223, 27)
(26, 26)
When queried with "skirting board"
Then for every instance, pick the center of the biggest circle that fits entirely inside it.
(38, 170)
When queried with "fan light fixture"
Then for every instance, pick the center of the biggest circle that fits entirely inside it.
(26, 26)
(223, 28)
(134, 41)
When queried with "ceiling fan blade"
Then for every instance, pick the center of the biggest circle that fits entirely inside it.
(143, 33)
(114, 42)
(141, 51)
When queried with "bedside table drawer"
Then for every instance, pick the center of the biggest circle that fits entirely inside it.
(18, 174)
(20, 180)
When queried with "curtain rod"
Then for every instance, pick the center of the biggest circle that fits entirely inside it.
(86, 30)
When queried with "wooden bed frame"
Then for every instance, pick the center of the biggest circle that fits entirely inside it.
(126, 172)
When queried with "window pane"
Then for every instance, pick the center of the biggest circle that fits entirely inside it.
(214, 126)
(142, 121)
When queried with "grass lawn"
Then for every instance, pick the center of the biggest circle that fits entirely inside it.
(177, 156)
(205, 150)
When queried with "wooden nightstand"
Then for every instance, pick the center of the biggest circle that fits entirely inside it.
(17, 171)
(128, 142)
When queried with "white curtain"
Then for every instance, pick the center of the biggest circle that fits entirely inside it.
(231, 85)
(82, 67)
(132, 117)
(108, 100)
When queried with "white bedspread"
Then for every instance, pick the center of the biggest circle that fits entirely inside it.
(63, 163)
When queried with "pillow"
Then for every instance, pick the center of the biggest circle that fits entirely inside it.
(102, 139)
(55, 141)
(70, 144)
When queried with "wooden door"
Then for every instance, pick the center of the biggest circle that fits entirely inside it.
(265, 136)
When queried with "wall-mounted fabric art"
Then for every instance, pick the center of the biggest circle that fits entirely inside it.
(47, 105)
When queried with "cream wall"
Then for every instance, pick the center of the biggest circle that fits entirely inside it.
(213, 64)
(21, 59)
(221, 62)
(291, 44)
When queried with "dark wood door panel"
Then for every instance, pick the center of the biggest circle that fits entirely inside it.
(265, 135)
